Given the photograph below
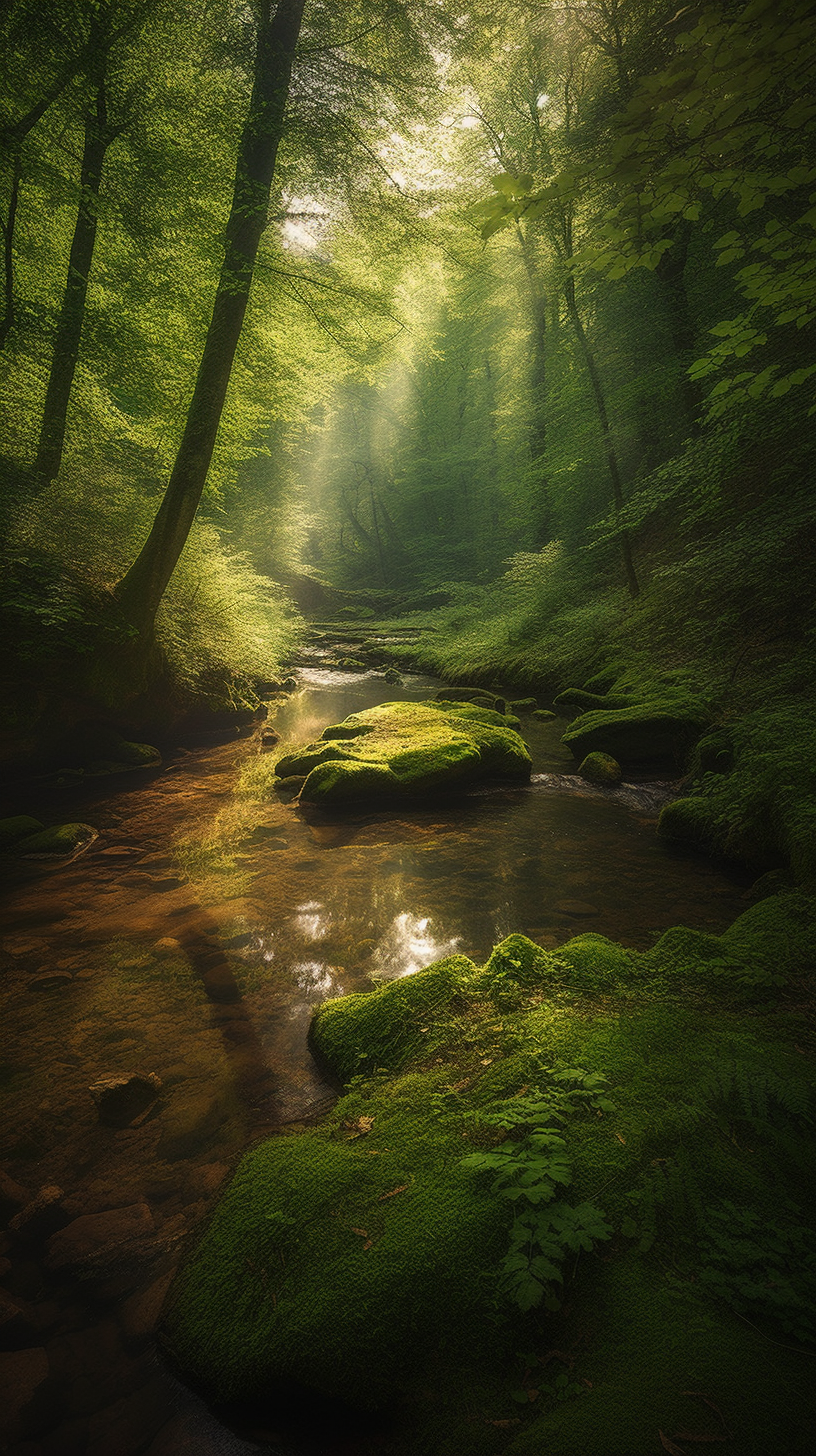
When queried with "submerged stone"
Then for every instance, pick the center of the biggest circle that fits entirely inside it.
(399, 750)
(57, 842)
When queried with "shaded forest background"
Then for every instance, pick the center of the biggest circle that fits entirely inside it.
(528, 350)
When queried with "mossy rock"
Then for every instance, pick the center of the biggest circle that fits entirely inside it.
(57, 842)
(597, 964)
(600, 768)
(586, 701)
(544, 715)
(638, 734)
(400, 750)
(604, 679)
(382, 1029)
(714, 753)
(17, 827)
(688, 822)
(522, 705)
(484, 697)
(361, 1259)
(101, 750)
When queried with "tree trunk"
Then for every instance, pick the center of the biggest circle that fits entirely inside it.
(141, 590)
(538, 386)
(72, 313)
(609, 444)
(9, 309)
(671, 273)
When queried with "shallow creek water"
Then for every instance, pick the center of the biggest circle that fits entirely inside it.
(204, 968)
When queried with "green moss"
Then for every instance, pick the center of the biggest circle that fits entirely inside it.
(604, 679)
(474, 713)
(600, 768)
(688, 822)
(17, 827)
(399, 749)
(653, 1340)
(545, 715)
(764, 810)
(362, 1258)
(384, 1028)
(713, 754)
(60, 839)
(597, 964)
(640, 733)
(586, 701)
(343, 1263)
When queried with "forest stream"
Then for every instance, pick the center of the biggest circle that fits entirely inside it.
(141, 957)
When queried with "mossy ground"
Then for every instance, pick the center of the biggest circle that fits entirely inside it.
(362, 1258)
(399, 750)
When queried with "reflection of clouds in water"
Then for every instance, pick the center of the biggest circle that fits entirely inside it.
(407, 946)
(314, 978)
(310, 922)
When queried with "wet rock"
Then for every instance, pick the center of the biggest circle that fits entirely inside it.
(576, 908)
(405, 750)
(269, 737)
(391, 675)
(96, 1240)
(139, 1314)
(290, 785)
(13, 1197)
(17, 827)
(127, 1426)
(58, 842)
(27, 1394)
(50, 980)
(290, 685)
(600, 768)
(640, 733)
(168, 945)
(18, 1327)
(123, 1096)
(42, 1217)
(190, 1124)
(220, 984)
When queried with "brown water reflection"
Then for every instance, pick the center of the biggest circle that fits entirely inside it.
(121, 962)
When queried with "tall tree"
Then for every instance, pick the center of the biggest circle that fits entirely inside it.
(141, 590)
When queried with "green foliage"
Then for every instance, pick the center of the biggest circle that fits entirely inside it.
(529, 1170)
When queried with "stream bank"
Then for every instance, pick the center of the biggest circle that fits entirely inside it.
(192, 941)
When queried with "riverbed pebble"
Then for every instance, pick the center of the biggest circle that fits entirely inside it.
(121, 1097)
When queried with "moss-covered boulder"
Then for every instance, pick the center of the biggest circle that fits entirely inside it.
(512, 1117)
(600, 768)
(98, 750)
(585, 700)
(17, 827)
(640, 733)
(689, 822)
(544, 715)
(400, 750)
(485, 697)
(57, 842)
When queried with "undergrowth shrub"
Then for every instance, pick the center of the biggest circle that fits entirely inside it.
(220, 622)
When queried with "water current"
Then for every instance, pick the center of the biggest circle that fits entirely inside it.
(186, 947)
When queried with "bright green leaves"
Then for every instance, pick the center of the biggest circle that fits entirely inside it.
(529, 1169)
